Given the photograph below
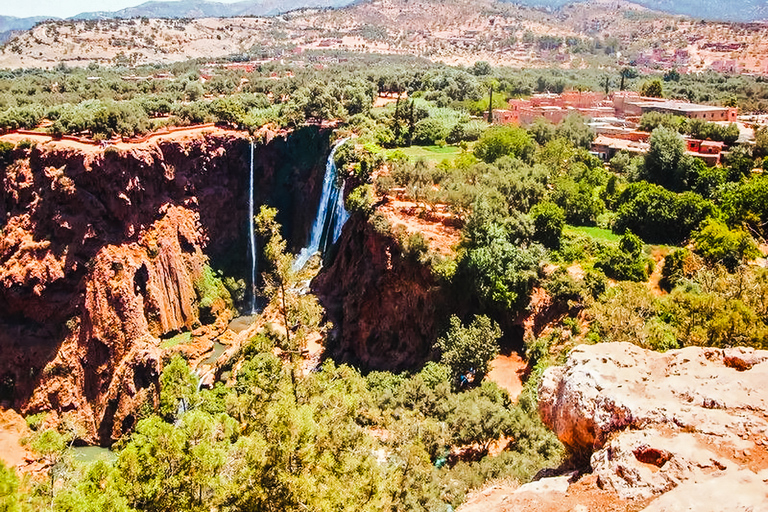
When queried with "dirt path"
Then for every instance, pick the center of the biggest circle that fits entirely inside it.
(90, 148)
(658, 255)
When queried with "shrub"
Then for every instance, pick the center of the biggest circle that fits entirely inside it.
(548, 221)
(625, 261)
(729, 247)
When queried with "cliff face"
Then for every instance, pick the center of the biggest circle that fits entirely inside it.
(101, 250)
(385, 306)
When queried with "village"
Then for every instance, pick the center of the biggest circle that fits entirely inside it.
(615, 119)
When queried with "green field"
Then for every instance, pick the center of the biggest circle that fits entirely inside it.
(433, 154)
(593, 232)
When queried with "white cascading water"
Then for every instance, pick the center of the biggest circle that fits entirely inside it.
(331, 214)
(252, 236)
(341, 215)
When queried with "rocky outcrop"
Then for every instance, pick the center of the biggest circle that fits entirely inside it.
(677, 424)
(385, 305)
(101, 251)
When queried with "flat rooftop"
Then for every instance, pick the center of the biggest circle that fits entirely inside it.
(679, 106)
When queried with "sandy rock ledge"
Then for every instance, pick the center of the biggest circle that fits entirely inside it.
(683, 429)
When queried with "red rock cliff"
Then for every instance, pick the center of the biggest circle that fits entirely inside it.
(385, 307)
(101, 251)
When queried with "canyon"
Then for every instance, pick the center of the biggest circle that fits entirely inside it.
(102, 252)
(105, 249)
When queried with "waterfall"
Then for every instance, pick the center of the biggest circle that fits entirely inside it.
(252, 237)
(341, 215)
(331, 214)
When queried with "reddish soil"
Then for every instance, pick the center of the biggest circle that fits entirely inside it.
(658, 255)
(583, 495)
(438, 227)
(507, 371)
(89, 148)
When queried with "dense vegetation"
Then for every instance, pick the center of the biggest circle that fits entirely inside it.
(102, 102)
(536, 209)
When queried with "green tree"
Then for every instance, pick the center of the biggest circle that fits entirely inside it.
(471, 348)
(549, 221)
(625, 261)
(575, 129)
(662, 162)
(761, 143)
(499, 141)
(177, 387)
(499, 271)
(652, 89)
(300, 313)
(729, 247)
(746, 203)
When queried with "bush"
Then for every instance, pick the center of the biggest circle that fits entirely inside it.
(210, 290)
(658, 215)
(499, 141)
(625, 261)
(361, 200)
(728, 247)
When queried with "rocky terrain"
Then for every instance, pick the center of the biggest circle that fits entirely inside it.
(681, 430)
(456, 32)
(102, 253)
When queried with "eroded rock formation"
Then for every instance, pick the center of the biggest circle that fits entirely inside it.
(679, 424)
(101, 250)
(385, 305)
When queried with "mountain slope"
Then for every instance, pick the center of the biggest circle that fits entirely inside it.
(206, 9)
(459, 32)
(721, 10)
(10, 25)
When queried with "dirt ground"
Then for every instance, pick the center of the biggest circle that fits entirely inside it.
(507, 371)
(435, 226)
(581, 496)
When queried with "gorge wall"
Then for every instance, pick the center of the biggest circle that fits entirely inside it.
(101, 250)
(386, 306)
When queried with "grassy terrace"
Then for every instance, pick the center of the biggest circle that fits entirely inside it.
(179, 339)
(596, 233)
(432, 154)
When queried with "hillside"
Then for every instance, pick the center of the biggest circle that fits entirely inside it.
(206, 9)
(724, 10)
(458, 32)
(10, 26)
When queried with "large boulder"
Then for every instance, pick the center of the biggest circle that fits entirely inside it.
(655, 422)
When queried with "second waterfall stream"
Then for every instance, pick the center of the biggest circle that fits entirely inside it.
(331, 214)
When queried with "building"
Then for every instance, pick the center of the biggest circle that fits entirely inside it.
(629, 104)
(554, 107)
(607, 147)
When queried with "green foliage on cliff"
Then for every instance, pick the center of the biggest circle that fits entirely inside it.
(9, 489)
(210, 289)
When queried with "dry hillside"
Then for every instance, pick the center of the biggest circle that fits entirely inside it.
(452, 31)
